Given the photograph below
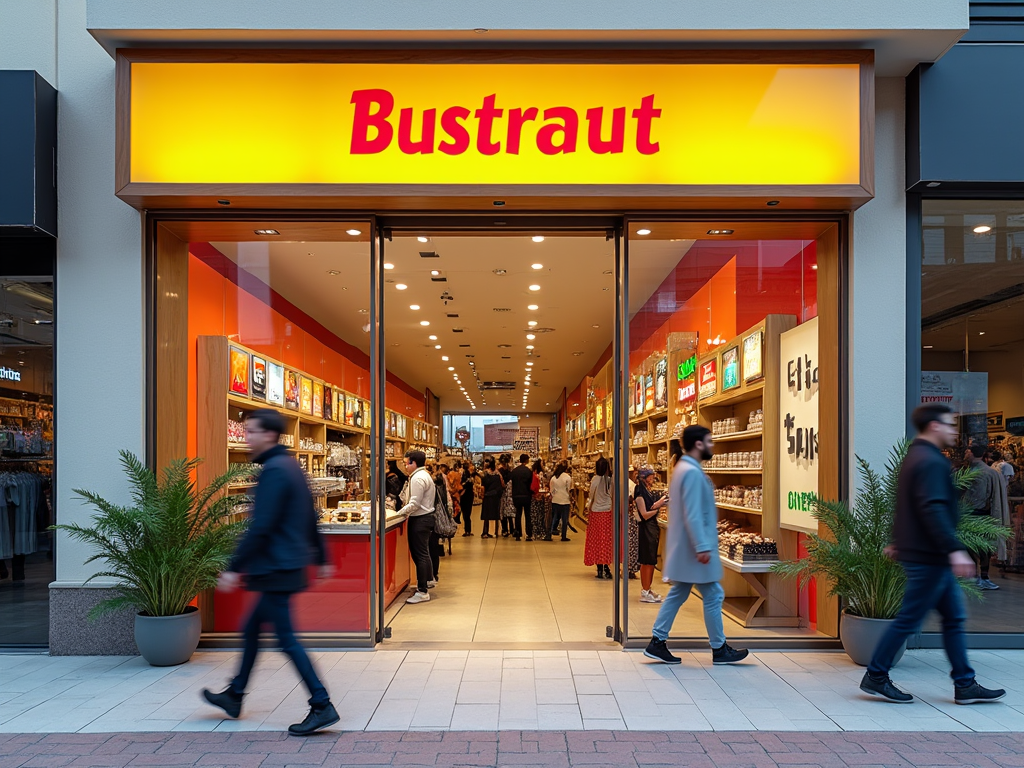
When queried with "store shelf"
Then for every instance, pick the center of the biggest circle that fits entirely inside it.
(756, 392)
(238, 447)
(761, 566)
(747, 471)
(240, 486)
(738, 508)
(737, 436)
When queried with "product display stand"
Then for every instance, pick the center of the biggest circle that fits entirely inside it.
(754, 596)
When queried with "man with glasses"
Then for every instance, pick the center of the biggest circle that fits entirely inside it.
(281, 542)
(926, 545)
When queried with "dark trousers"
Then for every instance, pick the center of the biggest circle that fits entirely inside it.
(420, 528)
(436, 553)
(467, 512)
(560, 514)
(508, 525)
(522, 508)
(928, 586)
(274, 608)
(982, 557)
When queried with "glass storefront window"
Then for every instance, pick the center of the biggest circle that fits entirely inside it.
(710, 345)
(27, 564)
(972, 336)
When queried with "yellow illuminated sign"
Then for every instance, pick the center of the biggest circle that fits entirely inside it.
(625, 124)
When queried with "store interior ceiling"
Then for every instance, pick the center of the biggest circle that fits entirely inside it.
(484, 281)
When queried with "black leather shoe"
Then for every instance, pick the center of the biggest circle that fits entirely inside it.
(976, 693)
(316, 720)
(727, 654)
(884, 689)
(227, 700)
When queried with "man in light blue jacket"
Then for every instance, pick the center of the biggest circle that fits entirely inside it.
(691, 551)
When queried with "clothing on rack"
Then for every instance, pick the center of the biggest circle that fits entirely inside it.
(23, 512)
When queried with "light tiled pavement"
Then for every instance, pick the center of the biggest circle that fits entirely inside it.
(481, 690)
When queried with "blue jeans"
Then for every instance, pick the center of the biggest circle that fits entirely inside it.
(273, 608)
(928, 586)
(713, 596)
(559, 514)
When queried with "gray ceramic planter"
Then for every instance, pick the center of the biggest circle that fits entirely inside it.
(165, 641)
(860, 636)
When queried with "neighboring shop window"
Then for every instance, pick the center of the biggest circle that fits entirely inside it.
(726, 334)
(26, 458)
(972, 357)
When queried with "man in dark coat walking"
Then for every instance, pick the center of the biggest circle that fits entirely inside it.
(282, 540)
(926, 545)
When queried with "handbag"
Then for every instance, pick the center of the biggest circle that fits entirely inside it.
(444, 524)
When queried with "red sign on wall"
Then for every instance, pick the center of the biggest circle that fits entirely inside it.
(707, 379)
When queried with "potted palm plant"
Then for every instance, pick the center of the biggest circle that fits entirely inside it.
(852, 558)
(163, 550)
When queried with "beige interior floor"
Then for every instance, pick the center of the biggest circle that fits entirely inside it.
(504, 591)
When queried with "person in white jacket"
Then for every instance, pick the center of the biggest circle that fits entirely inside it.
(691, 551)
(418, 498)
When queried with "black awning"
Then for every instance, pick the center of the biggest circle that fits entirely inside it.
(28, 155)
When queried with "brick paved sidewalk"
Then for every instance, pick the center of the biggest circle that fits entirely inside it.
(550, 749)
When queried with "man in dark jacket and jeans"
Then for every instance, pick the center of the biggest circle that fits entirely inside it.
(927, 547)
(282, 540)
(522, 478)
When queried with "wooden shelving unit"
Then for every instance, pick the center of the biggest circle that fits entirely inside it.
(754, 596)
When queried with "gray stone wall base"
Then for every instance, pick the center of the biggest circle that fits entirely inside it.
(72, 633)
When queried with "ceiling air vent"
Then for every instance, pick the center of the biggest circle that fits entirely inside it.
(429, 255)
(502, 309)
(497, 385)
(453, 314)
(464, 346)
(456, 330)
(539, 330)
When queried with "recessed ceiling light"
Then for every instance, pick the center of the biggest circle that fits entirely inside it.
(928, 346)
(532, 323)
(432, 337)
(333, 272)
(401, 286)
(981, 333)
(538, 238)
(414, 306)
(424, 322)
(364, 311)
(451, 367)
(595, 325)
(529, 346)
(434, 273)
(353, 232)
(643, 232)
(423, 239)
(531, 336)
(576, 354)
(532, 307)
(720, 231)
(981, 229)
(264, 232)
(537, 266)
(443, 357)
(388, 265)
(534, 287)
(500, 271)
(529, 364)
(438, 346)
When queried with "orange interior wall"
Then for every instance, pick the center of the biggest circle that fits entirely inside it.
(219, 307)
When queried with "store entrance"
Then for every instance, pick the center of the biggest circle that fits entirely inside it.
(504, 331)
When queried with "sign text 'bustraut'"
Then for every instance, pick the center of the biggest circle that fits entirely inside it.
(497, 128)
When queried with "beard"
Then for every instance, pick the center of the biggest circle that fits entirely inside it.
(705, 455)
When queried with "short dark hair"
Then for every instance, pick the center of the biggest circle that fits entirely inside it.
(602, 467)
(925, 414)
(693, 434)
(997, 455)
(419, 458)
(268, 420)
(978, 448)
(523, 458)
(489, 463)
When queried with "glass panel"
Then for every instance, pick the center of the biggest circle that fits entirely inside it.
(278, 318)
(972, 332)
(26, 458)
(509, 336)
(708, 302)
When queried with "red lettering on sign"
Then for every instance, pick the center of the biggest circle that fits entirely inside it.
(516, 119)
(457, 131)
(363, 120)
(425, 145)
(486, 115)
(644, 116)
(595, 118)
(569, 127)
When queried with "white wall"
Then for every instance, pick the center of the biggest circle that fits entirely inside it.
(878, 291)
(28, 36)
(99, 289)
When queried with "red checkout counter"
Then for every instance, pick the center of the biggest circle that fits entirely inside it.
(342, 603)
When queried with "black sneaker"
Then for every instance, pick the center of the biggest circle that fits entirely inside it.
(727, 654)
(657, 650)
(227, 700)
(885, 689)
(316, 720)
(976, 693)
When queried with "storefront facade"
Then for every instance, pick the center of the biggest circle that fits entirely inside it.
(965, 269)
(171, 184)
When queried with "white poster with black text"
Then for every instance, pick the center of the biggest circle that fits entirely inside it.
(798, 433)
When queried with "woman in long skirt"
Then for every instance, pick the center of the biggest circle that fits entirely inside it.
(493, 487)
(598, 550)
